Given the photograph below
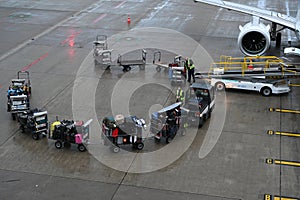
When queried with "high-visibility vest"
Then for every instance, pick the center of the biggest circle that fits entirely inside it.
(188, 65)
(180, 94)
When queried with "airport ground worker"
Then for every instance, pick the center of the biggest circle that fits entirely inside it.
(189, 65)
(179, 95)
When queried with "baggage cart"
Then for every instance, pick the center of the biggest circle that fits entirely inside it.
(123, 131)
(166, 123)
(126, 64)
(67, 132)
(34, 121)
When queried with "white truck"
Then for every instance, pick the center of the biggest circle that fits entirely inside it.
(264, 86)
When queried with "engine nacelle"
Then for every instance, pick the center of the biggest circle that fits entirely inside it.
(254, 39)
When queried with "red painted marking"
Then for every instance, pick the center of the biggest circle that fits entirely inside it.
(34, 62)
(71, 37)
(120, 4)
(99, 18)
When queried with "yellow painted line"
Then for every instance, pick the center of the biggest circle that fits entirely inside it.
(289, 134)
(289, 163)
(282, 162)
(284, 110)
(273, 197)
(294, 85)
(284, 198)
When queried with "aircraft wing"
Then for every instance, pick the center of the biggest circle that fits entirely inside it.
(278, 18)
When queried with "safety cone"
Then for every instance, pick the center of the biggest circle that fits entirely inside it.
(128, 20)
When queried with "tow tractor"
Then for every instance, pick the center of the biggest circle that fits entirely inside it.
(102, 55)
(34, 121)
(165, 123)
(68, 132)
(126, 64)
(200, 101)
(120, 130)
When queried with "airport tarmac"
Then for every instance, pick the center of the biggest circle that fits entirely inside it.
(233, 156)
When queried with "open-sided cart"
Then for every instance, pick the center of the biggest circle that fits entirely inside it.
(166, 123)
(176, 69)
(126, 64)
(34, 121)
(102, 55)
(17, 104)
(123, 131)
(68, 132)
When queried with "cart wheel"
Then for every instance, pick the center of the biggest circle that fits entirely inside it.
(35, 136)
(139, 145)
(115, 149)
(126, 68)
(81, 148)
(58, 144)
(158, 68)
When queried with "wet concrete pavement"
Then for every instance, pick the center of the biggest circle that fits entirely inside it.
(53, 41)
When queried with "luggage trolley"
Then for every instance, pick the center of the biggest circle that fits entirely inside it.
(17, 104)
(102, 55)
(18, 94)
(126, 64)
(177, 72)
(123, 131)
(166, 122)
(158, 63)
(24, 82)
(35, 121)
(68, 132)
(176, 69)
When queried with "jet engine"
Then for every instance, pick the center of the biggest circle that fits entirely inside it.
(254, 38)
